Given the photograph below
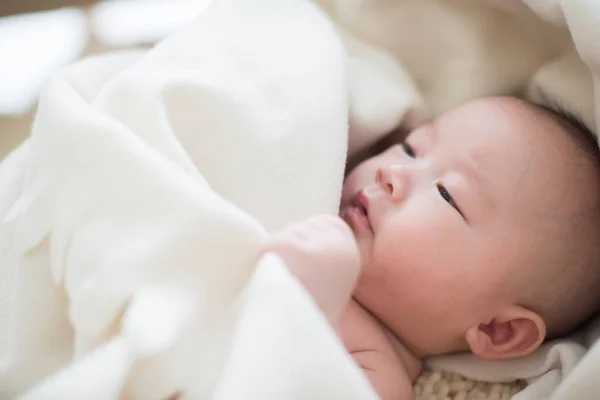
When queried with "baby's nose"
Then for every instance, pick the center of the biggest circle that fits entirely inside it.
(395, 180)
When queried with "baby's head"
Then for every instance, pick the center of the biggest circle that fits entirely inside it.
(481, 231)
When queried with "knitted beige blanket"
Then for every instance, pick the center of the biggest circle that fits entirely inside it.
(450, 386)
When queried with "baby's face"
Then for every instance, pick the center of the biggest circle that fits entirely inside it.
(444, 220)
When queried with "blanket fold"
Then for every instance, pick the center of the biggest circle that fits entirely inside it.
(146, 192)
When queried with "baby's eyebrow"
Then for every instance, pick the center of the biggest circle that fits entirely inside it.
(471, 169)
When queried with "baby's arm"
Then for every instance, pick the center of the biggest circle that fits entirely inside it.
(374, 351)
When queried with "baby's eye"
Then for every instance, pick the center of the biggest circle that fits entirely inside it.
(446, 196)
(409, 150)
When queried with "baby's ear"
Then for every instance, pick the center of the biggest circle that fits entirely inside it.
(515, 332)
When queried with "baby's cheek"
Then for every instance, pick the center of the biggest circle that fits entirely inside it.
(412, 260)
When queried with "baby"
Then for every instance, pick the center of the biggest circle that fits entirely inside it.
(479, 233)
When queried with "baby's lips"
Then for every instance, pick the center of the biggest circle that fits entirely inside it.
(357, 219)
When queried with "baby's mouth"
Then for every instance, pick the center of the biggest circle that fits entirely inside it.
(358, 212)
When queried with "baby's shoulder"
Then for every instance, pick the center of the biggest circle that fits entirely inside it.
(358, 325)
(371, 348)
(362, 332)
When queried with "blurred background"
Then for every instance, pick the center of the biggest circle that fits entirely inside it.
(39, 36)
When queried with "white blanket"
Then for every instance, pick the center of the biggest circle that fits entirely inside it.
(135, 214)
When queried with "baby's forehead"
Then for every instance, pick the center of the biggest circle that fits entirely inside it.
(495, 114)
(511, 120)
(487, 124)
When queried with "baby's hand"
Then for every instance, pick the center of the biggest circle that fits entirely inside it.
(322, 253)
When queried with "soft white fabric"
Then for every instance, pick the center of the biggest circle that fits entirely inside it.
(135, 215)
(136, 212)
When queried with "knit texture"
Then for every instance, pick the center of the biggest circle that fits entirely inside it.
(435, 385)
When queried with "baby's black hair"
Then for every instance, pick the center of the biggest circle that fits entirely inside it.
(581, 132)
